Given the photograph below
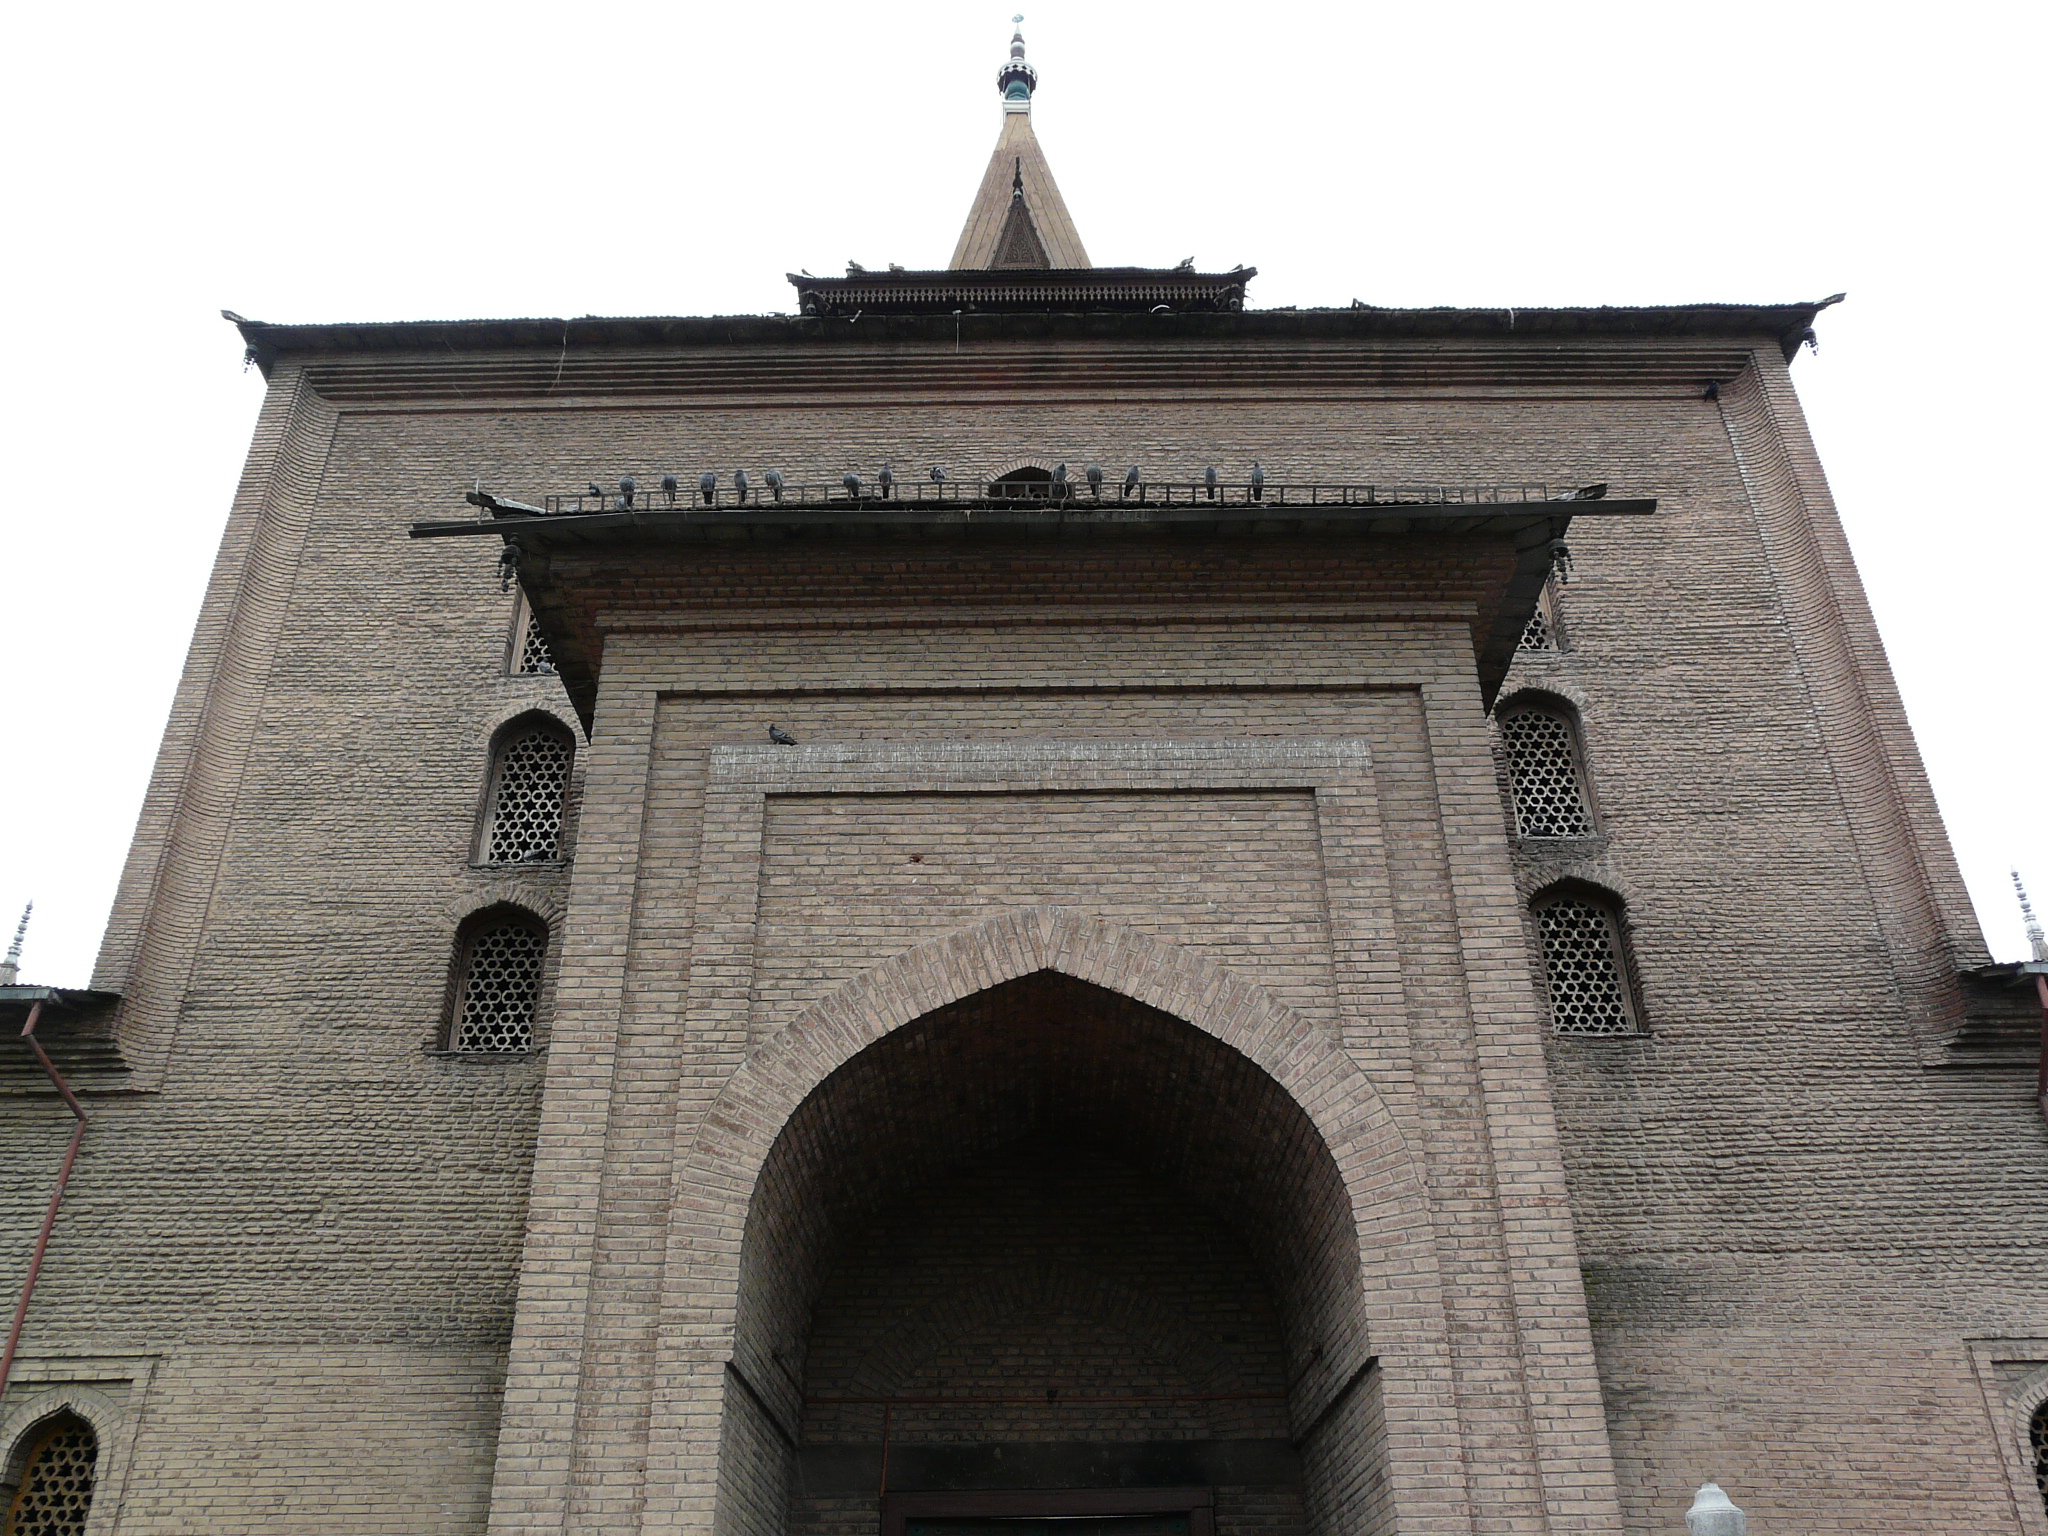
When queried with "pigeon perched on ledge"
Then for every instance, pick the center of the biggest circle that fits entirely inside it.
(780, 737)
(739, 484)
(774, 478)
(708, 484)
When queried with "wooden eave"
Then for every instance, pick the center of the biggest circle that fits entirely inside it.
(568, 340)
(1521, 533)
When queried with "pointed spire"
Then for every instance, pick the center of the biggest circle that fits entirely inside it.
(10, 968)
(2035, 936)
(1019, 218)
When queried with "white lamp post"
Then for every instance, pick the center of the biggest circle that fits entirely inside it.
(1712, 1515)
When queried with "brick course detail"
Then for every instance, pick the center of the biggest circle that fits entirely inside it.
(1111, 1049)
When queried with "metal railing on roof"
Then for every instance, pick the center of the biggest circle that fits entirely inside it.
(1077, 494)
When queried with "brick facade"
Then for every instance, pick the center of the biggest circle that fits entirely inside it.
(1126, 990)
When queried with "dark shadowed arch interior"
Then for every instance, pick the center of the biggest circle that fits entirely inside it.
(1027, 480)
(1048, 1192)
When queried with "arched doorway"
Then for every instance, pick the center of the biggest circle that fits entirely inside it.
(1040, 1251)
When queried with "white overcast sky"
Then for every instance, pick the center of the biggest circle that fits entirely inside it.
(380, 161)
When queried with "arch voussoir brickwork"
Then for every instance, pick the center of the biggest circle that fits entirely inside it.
(1395, 1313)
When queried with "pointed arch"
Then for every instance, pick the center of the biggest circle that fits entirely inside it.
(53, 1472)
(524, 813)
(1385, 1309)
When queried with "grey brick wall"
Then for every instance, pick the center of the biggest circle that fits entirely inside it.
(386, 1289)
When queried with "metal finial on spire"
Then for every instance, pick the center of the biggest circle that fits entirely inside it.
(2035, 936)
(1016, 79)
(10, 968)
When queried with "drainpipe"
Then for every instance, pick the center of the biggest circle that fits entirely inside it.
(35, 1263)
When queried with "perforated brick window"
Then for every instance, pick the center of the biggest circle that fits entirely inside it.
(1583, 964)
(529, 655)
(1548, 785)
(55, 1497)
(497, 988)
(529, 787)
(534, 655)
(1542, 632)
(2037, 1435)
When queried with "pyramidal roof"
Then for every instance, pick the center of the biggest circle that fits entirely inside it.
(1019, 220)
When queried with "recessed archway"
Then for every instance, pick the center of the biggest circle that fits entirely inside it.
(1193, 1079)
(1047, 1237)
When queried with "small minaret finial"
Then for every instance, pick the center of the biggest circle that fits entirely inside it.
(2035, 936)
(10, 968)
(1016, 79)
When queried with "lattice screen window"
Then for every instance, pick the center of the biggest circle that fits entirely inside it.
(2037, 1433)
(528, 790)
(1582, 961)
(1541, 633)
(499, 986)
(55, 1497)
(534, 655)
(1543, 771)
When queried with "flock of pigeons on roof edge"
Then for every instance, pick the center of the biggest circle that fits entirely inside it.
(1061, 485)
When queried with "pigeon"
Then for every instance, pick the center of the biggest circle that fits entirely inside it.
(598, 493)
(780, 737)
(774, 478)
(1130, 480)
(1713, 390)
(1209, 479)
(1059, 482)
(852, 483)
(627, 487)
(708, 484)
(938, 475)
(668, 488)
(739, 484)
(1583, 493)
(1094, 474)
(888, 479)
(1258, 481)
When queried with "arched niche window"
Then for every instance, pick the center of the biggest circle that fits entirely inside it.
(2037, 1438)
(499, 955)
(1585, 962)
(1025, 481)
(1544, 631)
(1546, 770)
(529, 655)
(54, 1495)
(529, 787)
